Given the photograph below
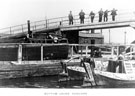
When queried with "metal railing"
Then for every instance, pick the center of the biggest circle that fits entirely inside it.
(62, 21)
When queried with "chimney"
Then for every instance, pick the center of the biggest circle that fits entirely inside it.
(29, 32)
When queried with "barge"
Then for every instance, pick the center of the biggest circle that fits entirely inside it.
(32, 54)
(23, 60)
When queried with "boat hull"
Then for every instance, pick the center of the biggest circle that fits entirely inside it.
(116, 79)
(9, 70)
(76, 72)
(31, 68)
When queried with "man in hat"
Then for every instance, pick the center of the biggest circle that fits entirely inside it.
(106, 15)
(113, 13)
(82, 16)
(92, 15)
(70, 16)
(100, 15)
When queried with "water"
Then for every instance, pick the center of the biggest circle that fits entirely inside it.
(52, 82)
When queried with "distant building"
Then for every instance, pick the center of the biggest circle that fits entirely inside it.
(90, 38)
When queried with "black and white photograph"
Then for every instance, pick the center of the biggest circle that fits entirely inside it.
(67, 47)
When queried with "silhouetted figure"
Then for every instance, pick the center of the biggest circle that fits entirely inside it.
(70, 16)
(82, 16)
(60, 23)
(106, 15)
(49, 38)
(100, 15)
(92, 15)
(55, 40)
(113, 13)
(26, 39)
(92, 51)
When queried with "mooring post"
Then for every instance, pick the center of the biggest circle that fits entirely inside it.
(20, 54)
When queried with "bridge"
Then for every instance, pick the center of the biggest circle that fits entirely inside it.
(123, 19)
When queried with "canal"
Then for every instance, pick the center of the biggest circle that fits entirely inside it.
(52, 82)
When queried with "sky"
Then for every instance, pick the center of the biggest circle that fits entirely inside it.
(16, 12)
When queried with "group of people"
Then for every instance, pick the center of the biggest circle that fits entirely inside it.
(101, 13)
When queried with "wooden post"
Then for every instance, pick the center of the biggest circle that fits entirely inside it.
(92, 31)
(61, 22)
(20, 54)
(28, 23)
(125, 38)
(117, 50)
(86, 50)
(81, 50)
(89, 71)
(101, 31)
(42, 59)
(109, 36)
(46, 23)
(10, 30)
(71, 51)
(130, 48)
(112, 51)
(35, 26)
(74, 21)
(22, 28)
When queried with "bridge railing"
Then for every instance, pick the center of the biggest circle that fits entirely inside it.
(63, 21)
(84, 49)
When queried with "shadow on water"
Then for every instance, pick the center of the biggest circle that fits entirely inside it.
(52, 82)
(38, 82)
(30, 82)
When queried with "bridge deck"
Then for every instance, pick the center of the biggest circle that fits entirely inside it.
(100, 25)
(122, 20)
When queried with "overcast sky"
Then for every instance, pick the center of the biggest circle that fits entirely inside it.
(15, 12)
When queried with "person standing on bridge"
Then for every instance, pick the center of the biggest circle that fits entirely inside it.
(100, 15)
(70, 17)
(92, 15)
(113, 13)
(106, 15)
(82, 16)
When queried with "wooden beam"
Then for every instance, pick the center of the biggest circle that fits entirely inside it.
(20, 54)
(42, 59)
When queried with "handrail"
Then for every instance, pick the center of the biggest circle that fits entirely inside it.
(96, 45)
(49, 23)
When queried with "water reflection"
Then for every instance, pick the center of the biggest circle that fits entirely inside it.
(52, 82)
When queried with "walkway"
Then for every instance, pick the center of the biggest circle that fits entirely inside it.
(123, 19)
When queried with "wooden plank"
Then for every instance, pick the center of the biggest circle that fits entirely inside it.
(89, 73)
